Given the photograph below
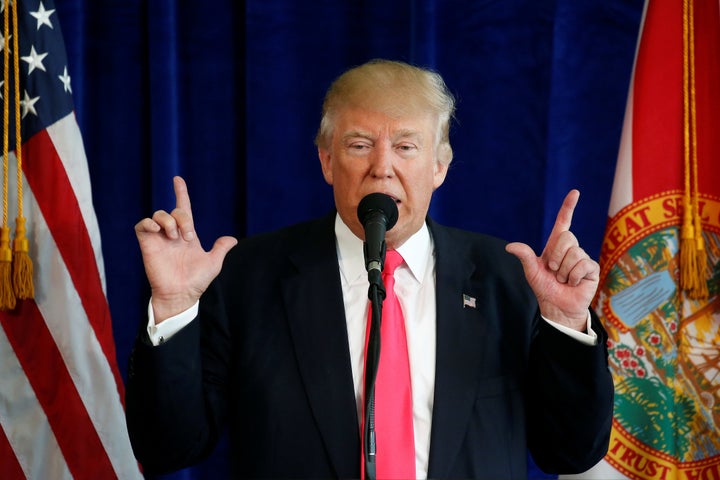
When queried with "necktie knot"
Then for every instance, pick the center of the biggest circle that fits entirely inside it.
(393, 259)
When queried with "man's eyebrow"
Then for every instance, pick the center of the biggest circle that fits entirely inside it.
(405, 133)
(400, 134)
(357, 134)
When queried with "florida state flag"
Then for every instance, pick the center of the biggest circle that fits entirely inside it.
(659, 282)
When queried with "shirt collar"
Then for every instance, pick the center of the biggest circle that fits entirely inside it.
(416, 252)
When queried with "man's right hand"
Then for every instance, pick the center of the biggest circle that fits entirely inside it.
(177, 267)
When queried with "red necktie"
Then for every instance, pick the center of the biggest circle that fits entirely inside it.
(393, 395)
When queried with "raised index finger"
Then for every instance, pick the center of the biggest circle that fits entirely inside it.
(182, 198)
(564, 216)
(183, 211)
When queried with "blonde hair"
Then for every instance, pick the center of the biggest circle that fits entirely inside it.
(395, 88)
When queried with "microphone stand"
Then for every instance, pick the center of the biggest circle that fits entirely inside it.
(376, 294)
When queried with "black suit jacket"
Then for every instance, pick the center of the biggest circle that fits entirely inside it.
(269, 357)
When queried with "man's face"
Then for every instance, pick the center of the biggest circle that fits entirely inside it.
(371, 151)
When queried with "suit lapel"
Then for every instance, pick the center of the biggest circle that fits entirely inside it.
(316, 315)
(460, 337)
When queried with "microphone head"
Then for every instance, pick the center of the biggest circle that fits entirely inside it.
(378, 202)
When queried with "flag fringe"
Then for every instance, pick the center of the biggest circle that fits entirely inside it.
(7, 295)
(700, 292)
(22, 271)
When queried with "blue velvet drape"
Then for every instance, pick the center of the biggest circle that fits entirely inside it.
(227, 93)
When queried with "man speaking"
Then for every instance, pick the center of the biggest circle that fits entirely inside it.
(478, 350)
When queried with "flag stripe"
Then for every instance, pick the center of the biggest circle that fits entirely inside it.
(46, 371)
(11, 469)
(56, 199)
(24, 422)
(657, 96)
(70, 327)
(66, 138)
(707, 74)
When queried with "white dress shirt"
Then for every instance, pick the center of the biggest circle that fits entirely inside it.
(415, 289)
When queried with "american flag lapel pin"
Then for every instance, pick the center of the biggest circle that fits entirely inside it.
(468, 301)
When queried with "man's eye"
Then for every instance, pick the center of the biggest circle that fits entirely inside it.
(407, 148)
(359, 146)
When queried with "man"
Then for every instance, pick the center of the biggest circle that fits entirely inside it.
(269, 340)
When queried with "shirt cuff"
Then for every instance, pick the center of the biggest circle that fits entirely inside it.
(161, 333)
(590, 338)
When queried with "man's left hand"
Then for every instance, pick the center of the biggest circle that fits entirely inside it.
(564, 278)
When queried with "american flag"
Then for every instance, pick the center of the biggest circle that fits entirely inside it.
(61, 393)
(469, 302)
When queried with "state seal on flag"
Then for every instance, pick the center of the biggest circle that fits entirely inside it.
(664, 348)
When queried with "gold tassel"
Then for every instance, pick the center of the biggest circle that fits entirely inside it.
(700, 292)
(687, 249)
(22, 264)
(693, 257)
(7, 296)
(17, 269)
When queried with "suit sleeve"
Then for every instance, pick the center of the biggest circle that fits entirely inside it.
(569, 400)
(175, 398)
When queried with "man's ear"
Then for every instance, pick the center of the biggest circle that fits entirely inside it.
(441, 169)
(326, 164)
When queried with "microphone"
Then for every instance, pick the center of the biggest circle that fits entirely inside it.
(378, 213)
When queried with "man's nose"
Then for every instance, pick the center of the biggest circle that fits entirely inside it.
(381, 162)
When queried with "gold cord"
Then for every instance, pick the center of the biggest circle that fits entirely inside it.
(693, 258)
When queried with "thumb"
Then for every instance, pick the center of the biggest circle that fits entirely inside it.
(526, 255)
(221, 247)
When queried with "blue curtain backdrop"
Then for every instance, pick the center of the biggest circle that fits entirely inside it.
(227, 93)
